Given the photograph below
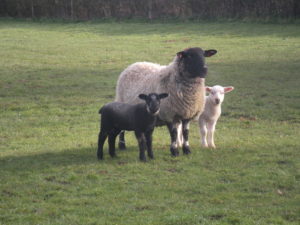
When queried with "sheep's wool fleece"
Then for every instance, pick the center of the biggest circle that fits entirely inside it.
(186, 96)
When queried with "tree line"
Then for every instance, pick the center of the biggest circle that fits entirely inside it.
(151, 9)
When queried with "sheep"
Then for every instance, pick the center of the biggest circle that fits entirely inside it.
(212, 111)
(140, 118)
(183, 79)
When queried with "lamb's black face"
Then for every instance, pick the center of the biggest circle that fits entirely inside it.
(193, 61)
(153, 101)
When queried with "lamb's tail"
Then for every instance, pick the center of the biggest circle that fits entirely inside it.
(100, 110)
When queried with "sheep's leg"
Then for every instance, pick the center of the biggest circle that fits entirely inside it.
(111, 142)
(210, 134)
(101, 139)
(174, 133)
(142, 142)
(203, 131)
(122, 145)
(149, 144)
(185, 134)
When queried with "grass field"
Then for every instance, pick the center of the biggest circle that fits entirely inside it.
(54, 76)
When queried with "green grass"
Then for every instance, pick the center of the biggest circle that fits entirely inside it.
(56, 75)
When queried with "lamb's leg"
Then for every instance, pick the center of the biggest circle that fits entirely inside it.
(142, 142)
(111, 142)
(179, 136)
(203, 131)
(185, 134)
(122, 145)
(101, 139)
(149, 144)
(210, 134)
(173, 133)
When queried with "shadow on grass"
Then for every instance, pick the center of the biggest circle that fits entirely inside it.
(160, 27)
(46, 160)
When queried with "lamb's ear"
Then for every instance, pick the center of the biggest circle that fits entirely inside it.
(180, 54)
(163, 95)
(143, 96)
(228, 89)
(209, 53)
(208, 89)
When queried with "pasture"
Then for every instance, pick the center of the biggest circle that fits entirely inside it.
(54, 77)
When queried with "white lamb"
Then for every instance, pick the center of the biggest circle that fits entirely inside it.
(212, 111)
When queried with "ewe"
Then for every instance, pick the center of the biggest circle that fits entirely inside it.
(183, 79)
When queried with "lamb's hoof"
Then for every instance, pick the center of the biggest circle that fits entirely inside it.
(211, 146)
(113, 155)
(143, 159)
(100, 156)
(179, 144)
(186, 150)
(151, 156)
(122, 146)
(174, 152)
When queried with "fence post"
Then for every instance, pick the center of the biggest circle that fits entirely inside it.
(150, 9)
(72, 10)
(32, 9)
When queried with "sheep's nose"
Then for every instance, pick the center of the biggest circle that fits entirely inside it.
(217, 101)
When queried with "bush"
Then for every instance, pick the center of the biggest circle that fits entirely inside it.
(201, 9)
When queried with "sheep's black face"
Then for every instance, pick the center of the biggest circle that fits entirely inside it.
(153, 102)
(192, 61)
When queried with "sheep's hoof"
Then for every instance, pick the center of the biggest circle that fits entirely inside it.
(186, 150)
(151, 156)
(122, 146)
(174, 152)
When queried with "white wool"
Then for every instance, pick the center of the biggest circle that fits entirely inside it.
(212, 111)
(184, 101)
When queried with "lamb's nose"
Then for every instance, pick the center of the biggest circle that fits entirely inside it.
(217, 101)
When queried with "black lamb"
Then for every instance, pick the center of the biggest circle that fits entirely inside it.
(140, 118)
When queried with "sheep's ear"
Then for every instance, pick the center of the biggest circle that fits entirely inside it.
(209, 53)
(180, 54)
(143, 96)
(228, 89)
(208, 89)
(163, 95)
